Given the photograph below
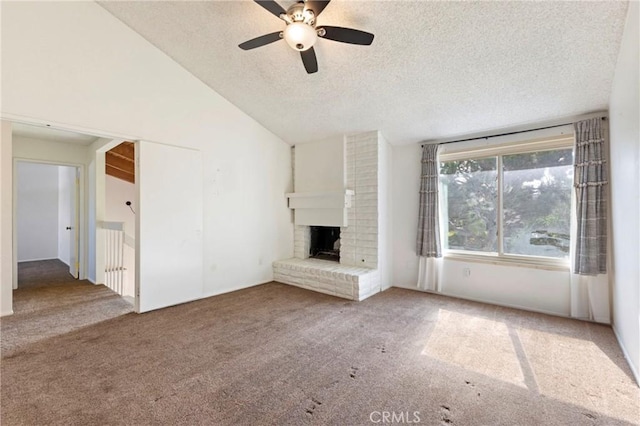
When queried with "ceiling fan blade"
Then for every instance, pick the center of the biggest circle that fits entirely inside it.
(316, 5)
(260, 41)
(272, 7)
(309, 60)
(347, 35)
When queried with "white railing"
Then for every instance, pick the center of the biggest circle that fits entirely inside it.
(114, 270)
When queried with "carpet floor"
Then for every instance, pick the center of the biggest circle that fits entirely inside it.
(49, 302)
(276, 354)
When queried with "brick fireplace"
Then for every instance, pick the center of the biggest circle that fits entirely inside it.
(357, 275)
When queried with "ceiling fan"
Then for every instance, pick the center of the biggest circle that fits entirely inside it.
(301, 32)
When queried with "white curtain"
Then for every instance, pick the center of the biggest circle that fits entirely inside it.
(429, 273)
(590, 297)
(590, 289)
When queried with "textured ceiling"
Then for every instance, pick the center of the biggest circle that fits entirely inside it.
(435, 69)
(49, 134)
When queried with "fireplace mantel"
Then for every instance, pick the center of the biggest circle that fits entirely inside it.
(320, 208)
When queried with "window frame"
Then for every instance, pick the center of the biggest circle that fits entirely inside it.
(497, 151)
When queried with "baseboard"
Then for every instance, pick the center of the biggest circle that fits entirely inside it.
(385, 287)
(634, 371)
(406, 287)
(6, 314)
(207, 295)
(92, 281)
(37, 260)
(236, 288)
(490, 302)
(130, 299)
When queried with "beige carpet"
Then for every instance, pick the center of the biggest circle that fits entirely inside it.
(275, 354)
(49, 302)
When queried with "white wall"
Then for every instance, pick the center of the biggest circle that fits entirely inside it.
(169, 220)
(319, 166)
(66, 190)
(6, 219)
(96, 193)
(91, 223)
(49, 151)
(385, 211)
(405, 191)
(526, 288)
(37, 210)
(118, 192)
(247, 168)
(625, 191)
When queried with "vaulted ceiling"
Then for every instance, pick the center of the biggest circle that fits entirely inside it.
(435, 69)
(120, 162)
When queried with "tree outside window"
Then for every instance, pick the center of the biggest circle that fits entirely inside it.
(534, 190)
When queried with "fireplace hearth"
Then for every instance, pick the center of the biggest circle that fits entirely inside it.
(325, 243)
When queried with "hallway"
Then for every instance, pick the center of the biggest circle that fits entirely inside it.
(50, 302)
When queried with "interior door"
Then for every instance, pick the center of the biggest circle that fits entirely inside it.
(169, 221)
(74, 213)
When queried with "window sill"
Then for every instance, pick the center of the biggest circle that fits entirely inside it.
(533, 262)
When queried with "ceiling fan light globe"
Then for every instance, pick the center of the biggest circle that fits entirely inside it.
(300, 36)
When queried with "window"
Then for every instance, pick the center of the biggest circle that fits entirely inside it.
(470, 188)
(511, 202)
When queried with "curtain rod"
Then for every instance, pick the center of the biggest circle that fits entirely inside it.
(504, 134)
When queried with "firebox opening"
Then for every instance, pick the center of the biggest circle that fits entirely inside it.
(325, 243)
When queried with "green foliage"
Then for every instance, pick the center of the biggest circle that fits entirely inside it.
(536, 197)
(472, 196)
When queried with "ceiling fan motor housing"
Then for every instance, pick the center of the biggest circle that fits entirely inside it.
(298, 13)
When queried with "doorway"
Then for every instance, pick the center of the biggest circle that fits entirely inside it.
(119, 225)
(47, 221)
(52, 297)
(71, 180)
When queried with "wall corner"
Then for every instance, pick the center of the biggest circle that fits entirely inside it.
(6, 219)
